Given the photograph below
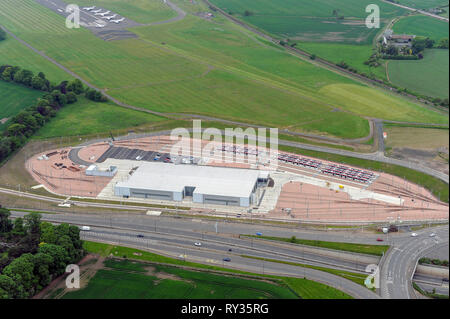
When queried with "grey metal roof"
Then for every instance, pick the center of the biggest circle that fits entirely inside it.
(208, 180)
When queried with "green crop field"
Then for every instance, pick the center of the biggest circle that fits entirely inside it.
(13, 99)
(429, 76)
(314, 21)
(421, 25)
(87, 117)
(214, 69)
(142, 11)
(423, 4)
(353, 55)
(128, 280)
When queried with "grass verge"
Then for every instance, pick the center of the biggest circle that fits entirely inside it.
(377, 250)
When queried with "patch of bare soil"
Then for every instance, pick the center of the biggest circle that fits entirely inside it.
(89, 266)
(429, 158)
(151, 271)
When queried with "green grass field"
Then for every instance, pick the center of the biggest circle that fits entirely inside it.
(311, 21)
(353, 55)
(129, 280)
(214, 69)
(13, 99)
(422, 25)
(423, 4)
(88, 117)
(142, 11)
(429, 76)
(12, 52)
(377, 250)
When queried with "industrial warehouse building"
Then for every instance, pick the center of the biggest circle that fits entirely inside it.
(204, 184)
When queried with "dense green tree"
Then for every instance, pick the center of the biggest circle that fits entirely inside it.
(9, 288)
(5, 223)
(75, 86)
(59, 255)
(21, 271)
(71, 97)
(15, 130)
(48, 233)
(42, 263)
(39, 83)
(5, 148)
(24, 77)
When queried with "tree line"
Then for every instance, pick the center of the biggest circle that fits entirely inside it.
(33, 253)
(31, 119)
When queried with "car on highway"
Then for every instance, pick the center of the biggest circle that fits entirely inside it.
(229, 249)
(432, 235)
(227, 259)
(379, 239)
(140, 236)
(414, 235)
(197, 244)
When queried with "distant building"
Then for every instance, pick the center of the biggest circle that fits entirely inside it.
(94, 170)
(398, 40)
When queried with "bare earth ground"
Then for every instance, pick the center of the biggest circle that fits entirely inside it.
(429, 146)
(306, 201)
(87, 271)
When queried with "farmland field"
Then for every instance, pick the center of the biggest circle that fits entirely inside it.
(87, 117)
(142, 11)
(215, 69)
(421, 25)
(13, 99)
(424, 138)
(353, 55)
(423, 4)
(429, 76)
(311, 20)
(127, 280)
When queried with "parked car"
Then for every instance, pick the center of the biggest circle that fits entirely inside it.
(414, 235)
(85, 228)
(197, 244)
(229, 249)
(432, 235)
(140, 236)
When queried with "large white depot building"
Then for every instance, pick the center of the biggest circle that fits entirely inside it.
(204, 184)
